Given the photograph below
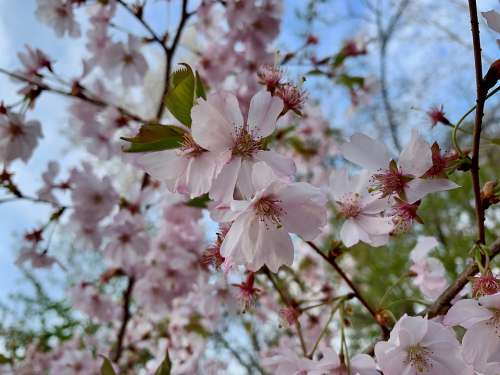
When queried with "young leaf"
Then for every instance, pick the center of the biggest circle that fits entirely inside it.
(199, 202)
(200, 87)
(180, 97)
(165, 367)
(350, 81)
(107, 368)
(154, 137)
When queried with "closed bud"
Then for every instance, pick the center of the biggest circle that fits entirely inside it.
(492, 76)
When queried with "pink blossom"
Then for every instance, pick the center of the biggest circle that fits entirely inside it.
(405, 177)
(360, 364)
(127, 61)
(420, 346)
(218, 126)
(18, 138)
(430, 273)
(46, 192)
(37, 258)
(259, 233)
(58, 14)
(363, 211)
(189, 170)
(481, 319)
(93, 198)
(287, 362)
(33, 61)
(86, 298)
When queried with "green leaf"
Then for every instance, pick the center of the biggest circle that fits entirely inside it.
(199, 202)
(350, 81)
(165, 367)
(4, 360)
(200, 87)
(107, 368)
(154, 137)
(338, 60)
(180, 97)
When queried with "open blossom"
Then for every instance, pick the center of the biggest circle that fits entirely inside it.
(18, 138)
(37, 258)
(218, 127)
(405, 177)
(93, 198)
(481, 319)
(259, 234)
(430, 273)
(86, 298)
(360, 364)
(363, 211)
(58, 14)
(287, 362)
(127, 61)
(188, 170)
(46, 192)
(33, 61)
(419, 346)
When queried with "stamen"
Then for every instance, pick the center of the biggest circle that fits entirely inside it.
(246, 145)
(268, 209)
(189, 147)
(390, 181)
(418, 358)
(349, 205)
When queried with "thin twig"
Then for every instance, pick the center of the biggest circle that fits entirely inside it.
(285, 298)
(170, 52)
(354, 288)
(481, 93)
(127, 297)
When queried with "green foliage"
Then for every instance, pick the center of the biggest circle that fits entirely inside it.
(185, 87)
(199, 202)
(154, 137)
(165, 367)
(107, 368)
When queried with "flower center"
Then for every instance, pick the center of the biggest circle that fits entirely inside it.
(15, 130)
(349, 205)
(418, 358)
(390, 181)
(189, 147)
(245, 144)
(268, 209)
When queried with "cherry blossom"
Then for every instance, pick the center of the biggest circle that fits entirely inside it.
(86, 298)
(420, 346)
(218, 127)
(18, 138)
(481, 320)
(363, 211)
(360, 364)
(430, 273)
(189, 170)
(259, 234)
(287, 362)
(405, 177)
(58, 14)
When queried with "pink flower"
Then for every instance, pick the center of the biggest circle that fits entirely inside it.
(259, 233)
(420, 346)
(481, 319)
(360, 364)
(127, 60)
(18, 138)
(33, 61)
(188, 170)
(93, 198)
(86, 298)
(46, 191)
(218, 126)
(287, 362)
(38, 259)
(430, 273)
(403, 178)
(58, 14)
(362, 211)
(437, 115)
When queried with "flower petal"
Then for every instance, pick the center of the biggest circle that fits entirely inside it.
(263, 113)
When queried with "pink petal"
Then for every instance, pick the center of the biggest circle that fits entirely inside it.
(419, 187)
(263, 113)
(366, 152)
(416, 157)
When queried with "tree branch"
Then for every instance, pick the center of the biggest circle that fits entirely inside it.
(481, 93)
(170, 52)
(357, 293)
(127, 296)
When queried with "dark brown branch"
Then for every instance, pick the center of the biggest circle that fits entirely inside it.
(127, 297)
(481, 93)
(76, 94)
(357, 293)
(170, 52)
